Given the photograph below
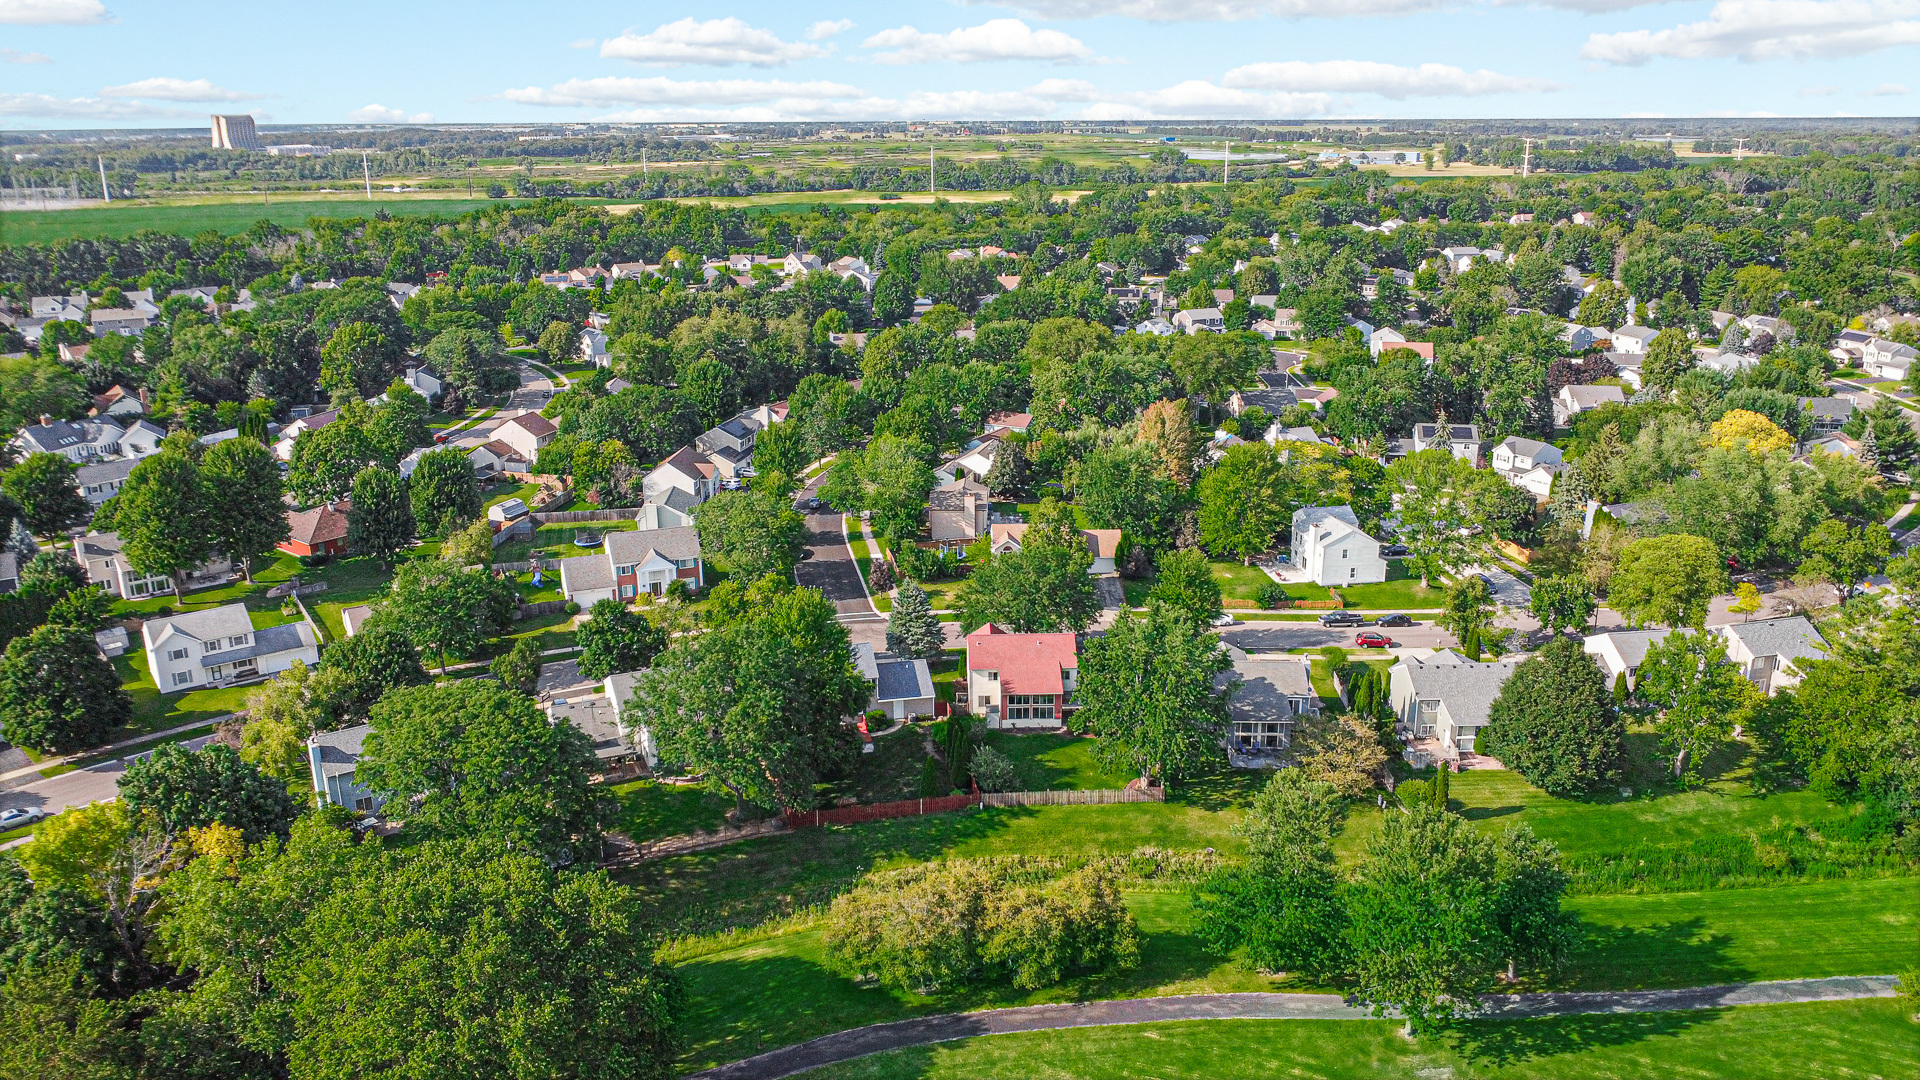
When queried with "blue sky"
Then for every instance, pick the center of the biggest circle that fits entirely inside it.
(123, 63)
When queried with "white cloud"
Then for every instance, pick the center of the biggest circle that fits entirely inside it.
(1373, 77)
(1818, 91)
(79, 108)
(381, 114)
(166, 88)
(1222, 10)
(995, 39)
(827, 28)
(1888, 89)
(1769, 30)
(610, 90)
(52, 12)
(718, 42)
(583, 43)
(15, 56)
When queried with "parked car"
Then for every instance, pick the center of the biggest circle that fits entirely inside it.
(1343, 618)
(1396, 620)
(1223, 619)
(814, 504)
(1394, 551)
(1372, 639)
(15, 818)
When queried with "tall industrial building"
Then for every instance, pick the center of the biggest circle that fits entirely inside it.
(234, 133)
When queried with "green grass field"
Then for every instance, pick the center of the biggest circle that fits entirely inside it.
(154, 711)
(753, 997)
(1842, 1040)
(1398, 591)
(190, 219)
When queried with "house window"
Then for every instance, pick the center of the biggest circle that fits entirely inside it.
(1343, 553)
(993, 676)
(237, 640)
(1429, 716)
(364, 803)
(211, 646)
(626, 591)
(623, 571)
(247, 666)
(177, 654)
(182, 678)
(216, 673)
(1352, 572)
(1030, 707)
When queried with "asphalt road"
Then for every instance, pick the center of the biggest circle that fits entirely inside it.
(81, 786)
(831, 567)
(1281, 636)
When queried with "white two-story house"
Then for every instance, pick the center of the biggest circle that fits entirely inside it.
(106, 564)
(634, 562)
(1445, 700)
(220, 647)
(1329, 546)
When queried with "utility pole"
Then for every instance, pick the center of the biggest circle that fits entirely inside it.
(643, 159)
(1739, 146)
(1526, 159)
(104, 189)
(366, 170)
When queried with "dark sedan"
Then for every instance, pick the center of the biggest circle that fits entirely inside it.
(1396, 620)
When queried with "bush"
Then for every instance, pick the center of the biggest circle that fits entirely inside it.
(572, 608)
(950, 923)
(880, 579)
(993, 770)
(678, 589)
(1271, 594)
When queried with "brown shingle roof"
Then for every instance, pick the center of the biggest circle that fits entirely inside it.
(319, 525)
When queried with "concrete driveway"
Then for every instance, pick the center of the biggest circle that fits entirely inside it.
(1507, 589)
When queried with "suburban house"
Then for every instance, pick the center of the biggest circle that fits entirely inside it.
(1836, 444)
(1775, 328)
(125, 321)
(1460, 440)
(1634, 339)
(1196, 320)
(902, 688)
(1581, 338)
(283, 447)
(632, 562)
(593, 348)
(1827, 414)
(1445, 699)
(1460, 259)
(332, 757)
(1622, 651)
(619, 688)
(1627, 366)
(1102, 543)
(102, 555)
(1158, 327)
(957, 514)
(526, 433)
(425, 383)
(1273, 692)
(687, 470)
(119, 403)
(728, 445)
(1850, 345)
(975, 461)
(1330, 548)
(81, 440)
(1528, 464)
(102, 480)
(1768, 651)
(1576, 398)
(496, 456)
(1275, 400)
(1002, 422)
(1725, 361)
(1384, 339)
(1021, 680)
(220, 647)
(319, 531)
(1887, 359)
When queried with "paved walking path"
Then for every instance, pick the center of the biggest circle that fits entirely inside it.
(878, 1038)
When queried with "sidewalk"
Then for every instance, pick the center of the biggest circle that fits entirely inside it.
(107, 750)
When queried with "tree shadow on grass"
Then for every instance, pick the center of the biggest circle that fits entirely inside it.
(1672, 954)
(1484, 813)
(1514, 1042)
(1225, 790)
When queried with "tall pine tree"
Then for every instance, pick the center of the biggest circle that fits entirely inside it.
(913, 630)
(380, 519)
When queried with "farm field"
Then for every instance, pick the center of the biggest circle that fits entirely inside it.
(227, 216)
(1844, 1040)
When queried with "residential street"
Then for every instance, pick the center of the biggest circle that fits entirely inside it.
(80, 787)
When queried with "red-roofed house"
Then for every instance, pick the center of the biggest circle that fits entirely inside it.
(319, 531)
(1021, 680)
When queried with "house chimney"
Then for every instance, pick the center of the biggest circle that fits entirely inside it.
(45, 419)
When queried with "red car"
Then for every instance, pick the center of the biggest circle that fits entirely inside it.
(1368, 639)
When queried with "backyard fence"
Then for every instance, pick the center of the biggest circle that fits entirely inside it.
(568, 517)
(1094, 797)
(544, 607)
(1233, 604)
(527, 565)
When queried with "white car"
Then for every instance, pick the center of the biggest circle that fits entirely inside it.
(15, 818)
(1223, 619)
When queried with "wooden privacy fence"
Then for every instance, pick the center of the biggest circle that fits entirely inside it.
(527, 565)
(566, 517)
(534, 611)
(946, 804)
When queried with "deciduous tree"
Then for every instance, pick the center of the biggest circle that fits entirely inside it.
(380, 518)
(1185, 583)
(243, 500)
(752, 533)
(1147, 691)
(1554, 722)
(1667, 579)
(57, 694)
(184, 790)
(444, 491)
(43, 487)
(448, 609)
(1700, 693)
(1245, 501)
(616, 638)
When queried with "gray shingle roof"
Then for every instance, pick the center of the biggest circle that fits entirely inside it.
(903, 680)
(1792, 638)
(339, 751)
(273, 639)
(1632, 645)
(1467, 689)
(585, 573)
(105, 472)
(677, 544)
(1265, 687)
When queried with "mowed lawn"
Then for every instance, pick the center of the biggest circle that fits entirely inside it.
(753, 997)
(1495, 799)
(1839, 1040)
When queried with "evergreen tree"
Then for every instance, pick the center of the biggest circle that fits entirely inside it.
(1619, 689)
(380, 518)
(1008, 476)
(913, 630)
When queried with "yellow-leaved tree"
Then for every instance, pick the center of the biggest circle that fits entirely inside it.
(1743, 429)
